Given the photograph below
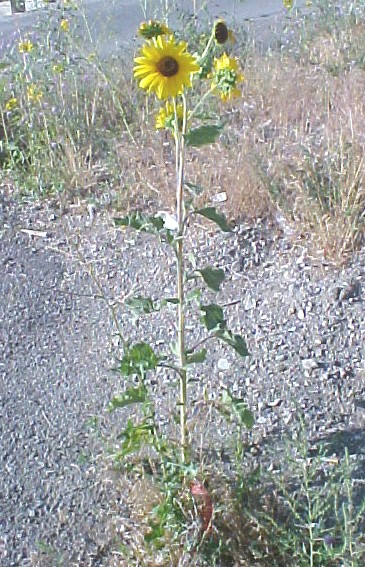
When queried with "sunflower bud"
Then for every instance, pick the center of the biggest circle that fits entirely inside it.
(151, 29)
(222, 33)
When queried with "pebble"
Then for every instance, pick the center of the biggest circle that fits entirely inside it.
(223, 364)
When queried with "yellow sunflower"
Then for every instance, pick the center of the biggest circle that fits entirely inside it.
(151, 29)
(11, 104)
(226, 76)
(64, 25)
(34, 93)
(166, 116)
(165, 67)
(25, 46)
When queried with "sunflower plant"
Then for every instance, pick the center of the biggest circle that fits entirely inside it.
(166, 69)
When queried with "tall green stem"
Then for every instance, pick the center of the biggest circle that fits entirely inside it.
(180, 213)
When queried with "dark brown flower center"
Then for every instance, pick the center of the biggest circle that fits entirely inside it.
(221, 32)
(168, 66)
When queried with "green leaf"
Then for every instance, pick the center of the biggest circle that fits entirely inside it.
(169, 237)
(141, 222)
(173, 300)
(237, 409)
(139, 305)
(134, 437)
(203, 135)
(213, 277)
(235, 341)
(131, 396)
(212, 214)
(194, 189)
(192, 259)
(214, 317)
(196, 357)
(193, 295)
(138, 359)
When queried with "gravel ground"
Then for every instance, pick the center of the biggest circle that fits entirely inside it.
(303, 320)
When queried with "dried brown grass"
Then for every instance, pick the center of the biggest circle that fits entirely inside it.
(294, 143)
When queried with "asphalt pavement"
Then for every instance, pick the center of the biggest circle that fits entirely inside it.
(112, 25)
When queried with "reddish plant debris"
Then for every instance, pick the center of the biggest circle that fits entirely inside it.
(205, 505)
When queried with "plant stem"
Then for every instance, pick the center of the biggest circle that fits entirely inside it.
(180, 214)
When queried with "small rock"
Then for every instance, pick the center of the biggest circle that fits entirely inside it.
(309, 364)
(250, 303)
(223, 364)
(91, 210)
(301, 314)
(219, 197)
(276, 403)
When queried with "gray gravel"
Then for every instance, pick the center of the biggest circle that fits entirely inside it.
(303, 320)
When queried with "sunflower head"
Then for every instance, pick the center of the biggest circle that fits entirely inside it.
(34, 93)
(11, 104)
(25, 46)
(64, 25)
(165, 118)
(151, 29)
(226, 76)
(222, 33)
(165, 67)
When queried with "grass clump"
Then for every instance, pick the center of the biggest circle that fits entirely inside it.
(60, 113)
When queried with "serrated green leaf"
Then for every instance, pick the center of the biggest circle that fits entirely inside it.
(131, 396)
(212, 214)
(138, 359)
(141, 222)
(203, 135)
(236, 341)
(139, 305)
(236, 408)
(213, 277)
(214, 317)
(196, 357)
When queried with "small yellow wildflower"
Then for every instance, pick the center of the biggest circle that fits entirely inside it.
(151, 29)
(25, 46)
(34, 93)
(58, 68)
(288, 4)
(64, 25)
(165, 67)
(222, 33)
(165, 118)
(226, 76)
(11, 104)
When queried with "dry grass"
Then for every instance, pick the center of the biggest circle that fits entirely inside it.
(294, 144)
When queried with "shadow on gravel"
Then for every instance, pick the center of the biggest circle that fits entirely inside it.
(352, 440)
